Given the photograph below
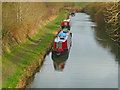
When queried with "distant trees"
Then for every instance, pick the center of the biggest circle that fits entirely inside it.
(106, 14)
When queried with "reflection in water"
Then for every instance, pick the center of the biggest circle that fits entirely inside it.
(103, 39)
(59, 61)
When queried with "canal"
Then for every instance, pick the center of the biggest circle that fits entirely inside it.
(91, 63)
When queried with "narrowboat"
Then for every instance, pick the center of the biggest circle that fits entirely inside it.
(66, 24)
(72, 14)
(62, 43)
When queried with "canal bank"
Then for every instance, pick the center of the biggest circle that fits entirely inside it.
(21, 64)
(91, 62)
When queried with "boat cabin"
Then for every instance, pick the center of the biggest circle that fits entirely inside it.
(66, 24)
(62, 42)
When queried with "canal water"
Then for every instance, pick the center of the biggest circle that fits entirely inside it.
(91, 63)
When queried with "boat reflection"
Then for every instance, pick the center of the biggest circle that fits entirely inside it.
(60, 61)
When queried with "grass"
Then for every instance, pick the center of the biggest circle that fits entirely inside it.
(23, 56)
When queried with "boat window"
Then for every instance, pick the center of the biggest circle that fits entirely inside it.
(65, 31)
(62, 37)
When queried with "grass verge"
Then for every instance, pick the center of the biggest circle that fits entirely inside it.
(22, 62)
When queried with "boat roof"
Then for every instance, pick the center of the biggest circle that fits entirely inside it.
(68, 20)
(57, 39)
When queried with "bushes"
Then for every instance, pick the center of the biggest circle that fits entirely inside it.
(111, 19)
(107, 15)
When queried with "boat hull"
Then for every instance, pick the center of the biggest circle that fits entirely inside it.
(60, 53)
